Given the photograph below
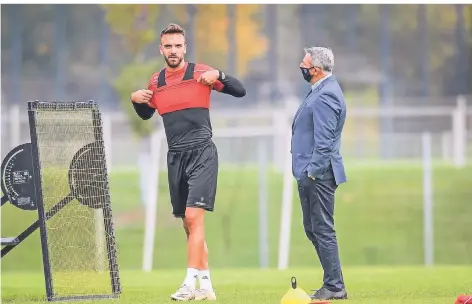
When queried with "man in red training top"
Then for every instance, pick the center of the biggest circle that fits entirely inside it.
(181, 95)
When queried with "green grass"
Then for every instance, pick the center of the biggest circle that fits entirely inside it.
(252, 286)
(378, 220)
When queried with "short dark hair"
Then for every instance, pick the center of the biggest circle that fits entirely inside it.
(173, 29)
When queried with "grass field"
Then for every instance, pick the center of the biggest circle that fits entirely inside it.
(378, 218)
(251, 286)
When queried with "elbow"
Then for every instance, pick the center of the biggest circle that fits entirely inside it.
(143, 111)
(232, 86)
(145, 117)
(235, 91)
(240, 93)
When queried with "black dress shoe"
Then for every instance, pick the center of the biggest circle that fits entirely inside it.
(326, 294)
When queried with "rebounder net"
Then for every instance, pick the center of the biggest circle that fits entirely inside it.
(77, 237)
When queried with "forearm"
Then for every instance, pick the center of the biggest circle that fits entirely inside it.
(320, 161)
(143, 110)
(231, 86)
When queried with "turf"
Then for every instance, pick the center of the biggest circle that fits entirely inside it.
(253, 286)
(378, 219)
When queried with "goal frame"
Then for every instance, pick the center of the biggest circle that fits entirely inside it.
(44, 215)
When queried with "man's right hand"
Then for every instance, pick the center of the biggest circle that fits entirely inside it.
(141, 96)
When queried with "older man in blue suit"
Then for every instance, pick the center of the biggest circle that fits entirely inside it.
(317, 164)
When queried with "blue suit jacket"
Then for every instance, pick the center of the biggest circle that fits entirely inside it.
(316, 133)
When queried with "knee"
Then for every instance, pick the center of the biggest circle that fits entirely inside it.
(325, 232)
(187, 231)
(309, 233)
(193, 219)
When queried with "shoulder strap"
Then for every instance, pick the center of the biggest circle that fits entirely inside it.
(161, 81)
(189, 71)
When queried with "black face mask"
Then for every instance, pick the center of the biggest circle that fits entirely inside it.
(306, 74)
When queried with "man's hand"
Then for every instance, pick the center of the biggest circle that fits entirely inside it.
(141, 96)
(209, 77)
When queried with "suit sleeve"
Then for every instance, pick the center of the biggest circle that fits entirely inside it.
(325, 120)
(146, 111)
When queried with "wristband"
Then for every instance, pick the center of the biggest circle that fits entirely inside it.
(221, 76)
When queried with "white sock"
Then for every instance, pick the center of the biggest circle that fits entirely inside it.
(204, 279)
(191, 278)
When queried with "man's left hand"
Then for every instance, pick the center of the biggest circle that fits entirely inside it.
(209, 77)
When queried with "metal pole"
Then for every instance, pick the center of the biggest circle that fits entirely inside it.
(461, 38)
(303, 20)
(150, 222)
(459, 132)
(424, 49)
(427, 201)
(16, 52)
(191, 40)
(104, 91)
(386, 123)
(271, 30)
(105, 34)
(352, 18)
(232, 55)
(352, 36)
(60, 49)
(287, 208)
(263, 207)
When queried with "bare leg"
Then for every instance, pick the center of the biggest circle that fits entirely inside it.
(194, 227)
(204, 263)
(204, 273)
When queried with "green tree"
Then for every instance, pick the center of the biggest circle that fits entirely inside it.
(134, 23)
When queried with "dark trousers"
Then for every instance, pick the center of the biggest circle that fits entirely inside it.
(317, 201)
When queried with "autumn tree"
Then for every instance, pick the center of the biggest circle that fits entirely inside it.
(135, 24)
(250, 42)
(211, 30)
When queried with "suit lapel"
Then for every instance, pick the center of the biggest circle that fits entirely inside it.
(300, 108)
(316, 90)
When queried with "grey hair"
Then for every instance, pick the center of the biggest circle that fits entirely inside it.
(322, 57)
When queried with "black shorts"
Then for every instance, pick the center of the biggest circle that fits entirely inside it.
(193, 178)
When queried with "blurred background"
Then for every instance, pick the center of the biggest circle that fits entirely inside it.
(406, 71)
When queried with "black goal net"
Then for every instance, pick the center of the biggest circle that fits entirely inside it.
(75, 218)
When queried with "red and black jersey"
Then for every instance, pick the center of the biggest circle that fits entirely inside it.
(184, 104)
(178, 90)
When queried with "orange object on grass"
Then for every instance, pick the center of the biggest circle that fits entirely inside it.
(464, 299)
